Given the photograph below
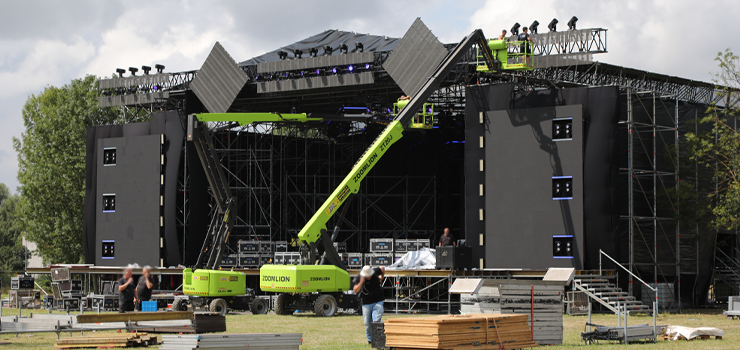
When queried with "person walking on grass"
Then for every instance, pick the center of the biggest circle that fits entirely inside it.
(370, 289)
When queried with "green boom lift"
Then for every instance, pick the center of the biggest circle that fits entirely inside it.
(321, 287)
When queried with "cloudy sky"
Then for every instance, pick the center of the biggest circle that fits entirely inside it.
(45, 43)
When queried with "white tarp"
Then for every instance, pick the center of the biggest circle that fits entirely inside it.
(424, 259)
(687, 333)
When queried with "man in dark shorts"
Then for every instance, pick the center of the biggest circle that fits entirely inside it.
(126, 292)
(370, 289)
(526, 46)
(144, 287)
(447, 239)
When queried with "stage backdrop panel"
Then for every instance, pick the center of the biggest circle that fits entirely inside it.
(527, 224)
(130, 181)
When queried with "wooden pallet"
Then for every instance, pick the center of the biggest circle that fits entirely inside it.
(477, 331)
(107, 340)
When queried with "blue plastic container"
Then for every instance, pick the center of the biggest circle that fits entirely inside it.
(148, 306)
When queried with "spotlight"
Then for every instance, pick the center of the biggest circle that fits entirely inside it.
(318, 71)
(313, 51)
(533, 27)
(282, 54)
(552, 25)
(343, 47)
(120, 72)
(156, 87)
(367, 65)
(146, 69)
(515, 29)
(334, 70)
(297, 53)
(360, 47)
(572, 23)
(106, 92)
(133, 70)
(159, 67)
(351, 68)
(328, 50)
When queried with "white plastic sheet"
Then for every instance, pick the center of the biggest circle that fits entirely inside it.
(687, 333)
(424, 259)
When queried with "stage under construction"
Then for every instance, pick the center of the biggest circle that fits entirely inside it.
(280, 173)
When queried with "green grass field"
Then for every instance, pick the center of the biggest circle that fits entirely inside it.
(347, 331)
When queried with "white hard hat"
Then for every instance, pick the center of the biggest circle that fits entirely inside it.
(367, 271)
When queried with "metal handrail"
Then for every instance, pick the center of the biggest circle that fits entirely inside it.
(601, 252)
(734, 261)
(593, 296)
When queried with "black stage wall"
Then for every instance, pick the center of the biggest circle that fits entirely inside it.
(600, 173)
(167, 123)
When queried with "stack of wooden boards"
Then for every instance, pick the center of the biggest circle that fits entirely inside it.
(206, 322)
(545, 300)
(478, 331)
(267, 341)
(107, 340)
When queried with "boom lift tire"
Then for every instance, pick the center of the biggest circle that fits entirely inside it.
(259, 306)
(281, 304)
(219, 306)
(325, 306)
(179, 305)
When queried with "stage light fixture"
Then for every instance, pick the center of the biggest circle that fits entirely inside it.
(297, 53)
(334, 70)
(146, 69)
(360, 47)
(367, 65)
(572, 23)
(515, 29)
(106, 92)
(313, 51)
(533, 27)
(318, 71)
(328, 50)
(120, 72)
(133, 70)
(343, 48)
(351, 68)
(159, 67)
(553, 25)
(282, 54)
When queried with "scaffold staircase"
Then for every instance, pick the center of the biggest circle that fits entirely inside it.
(727, 270)
(609, 295)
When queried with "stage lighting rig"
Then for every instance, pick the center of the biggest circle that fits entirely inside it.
(282, 54)
(313, 51)
(328, 50)
(360, 47)
(343, 48)
(515, 29)
(351, 68)
(335, 70)
(120, 72)
(533, 27)
(572, 23)
(146, 69)
(133, 70)
(553, 25)
(159, 67)
(297, 53)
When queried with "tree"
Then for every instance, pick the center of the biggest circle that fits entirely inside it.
(51, 160)
(718, 150)
(12, 252)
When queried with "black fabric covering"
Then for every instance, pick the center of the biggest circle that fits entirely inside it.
(167, 123)
(600, 163)
(332, 38)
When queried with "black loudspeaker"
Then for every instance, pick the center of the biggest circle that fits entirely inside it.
(454, 258)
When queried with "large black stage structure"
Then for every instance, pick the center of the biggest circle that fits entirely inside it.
(280, 173)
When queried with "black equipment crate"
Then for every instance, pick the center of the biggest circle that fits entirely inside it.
(400, 246)
(249, 247)
(106, 302)
(48, 301)
(70, 286)
(382, 259)
(21, 282)
(381, 245)
(266, 258)
(367, 259)
(267, 247)
(249, 261)
(60, 274)
(341, 247)
(422, 243)
(281, 246)
(287, 258)
(377, 335)
(71, 304)
(231, 260)
(355, 260)
(454, 258)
